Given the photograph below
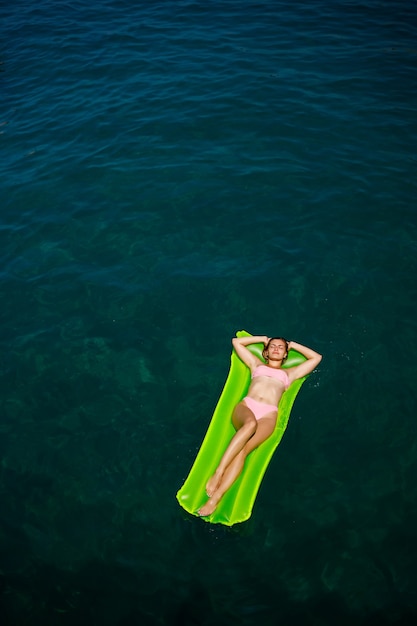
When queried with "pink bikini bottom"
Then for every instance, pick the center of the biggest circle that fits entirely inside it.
(259, 409)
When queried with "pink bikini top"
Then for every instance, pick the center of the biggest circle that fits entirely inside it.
(271, 372)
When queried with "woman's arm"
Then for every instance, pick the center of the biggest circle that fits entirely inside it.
(313, 359)
(245, 355)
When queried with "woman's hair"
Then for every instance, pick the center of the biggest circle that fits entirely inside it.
(265, 350)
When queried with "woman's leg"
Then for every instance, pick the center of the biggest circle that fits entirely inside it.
(266, 426)
(245, 425)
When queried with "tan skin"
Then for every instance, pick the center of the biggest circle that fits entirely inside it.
(250, 432)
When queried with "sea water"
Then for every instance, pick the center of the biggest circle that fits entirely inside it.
(172, 172)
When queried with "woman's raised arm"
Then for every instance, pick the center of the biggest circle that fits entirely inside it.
(240, 343)
(313, 359)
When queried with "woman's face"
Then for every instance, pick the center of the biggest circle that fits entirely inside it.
(277, 350)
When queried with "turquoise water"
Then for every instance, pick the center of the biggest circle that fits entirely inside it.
(173, 172)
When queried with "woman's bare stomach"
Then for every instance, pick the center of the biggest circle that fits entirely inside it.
(263, 389)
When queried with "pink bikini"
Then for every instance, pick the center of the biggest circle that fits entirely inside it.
(260, 409)
(271, 372)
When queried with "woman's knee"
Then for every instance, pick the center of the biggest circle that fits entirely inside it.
(264, 430)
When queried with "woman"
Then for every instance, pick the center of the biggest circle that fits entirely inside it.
(255, 417)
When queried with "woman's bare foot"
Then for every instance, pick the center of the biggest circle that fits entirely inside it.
(213, 483)
(208, 508)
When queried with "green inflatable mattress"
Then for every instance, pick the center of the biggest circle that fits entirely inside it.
(236, 505)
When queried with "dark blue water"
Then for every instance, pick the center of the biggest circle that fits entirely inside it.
(172, 172)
